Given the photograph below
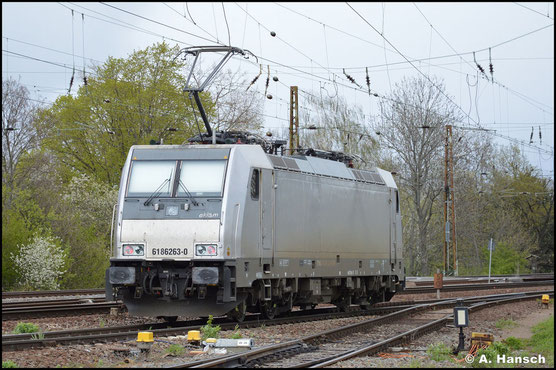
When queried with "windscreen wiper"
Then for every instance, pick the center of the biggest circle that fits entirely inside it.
(188, 194)
(156, 192)
(159, 189)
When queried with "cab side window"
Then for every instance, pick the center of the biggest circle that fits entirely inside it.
(254, 184)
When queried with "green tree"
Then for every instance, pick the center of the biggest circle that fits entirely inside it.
(332, 124)
(505, 260)
(83, 221)
(19, 222)
(128, 101)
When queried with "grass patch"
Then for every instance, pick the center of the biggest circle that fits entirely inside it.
(505, 324)
(25, 327)
(175, 350)
(542, 341)
(439, 352)
(236, 334)
(415, 363)
(37, 336)
(514, 343)
(9, 364)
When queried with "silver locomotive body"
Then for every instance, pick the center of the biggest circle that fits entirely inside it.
(215, 229)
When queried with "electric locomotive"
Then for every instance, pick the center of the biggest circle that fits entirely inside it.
(229, 228)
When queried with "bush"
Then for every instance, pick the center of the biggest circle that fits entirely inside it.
(8, 364)
(210, 331)
(41, 263)
(25, 327)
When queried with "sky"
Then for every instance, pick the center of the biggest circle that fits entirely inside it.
(314, 44)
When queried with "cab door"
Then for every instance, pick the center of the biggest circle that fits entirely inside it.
(267, 201)
(394, 210)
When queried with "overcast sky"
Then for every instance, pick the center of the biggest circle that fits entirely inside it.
(314, 43)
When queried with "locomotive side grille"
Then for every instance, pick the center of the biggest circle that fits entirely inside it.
(357, 175)
(377, 178)
(366, 175)
(277, 161)
(290, 163)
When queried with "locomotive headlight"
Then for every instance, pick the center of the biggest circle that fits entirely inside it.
(133, 249)
(203, 250)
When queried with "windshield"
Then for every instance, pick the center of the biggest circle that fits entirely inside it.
(148, 177)
(202, 178)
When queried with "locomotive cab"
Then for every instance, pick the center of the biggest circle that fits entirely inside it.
(169, 256)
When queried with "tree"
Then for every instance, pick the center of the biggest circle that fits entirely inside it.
(412, 105)
(127, 102)
(83, 221)
(234, 108)
(18, 133)
(505, 260)
(530, 199)
(332, 124)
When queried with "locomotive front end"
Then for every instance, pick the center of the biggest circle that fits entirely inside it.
(168, 258)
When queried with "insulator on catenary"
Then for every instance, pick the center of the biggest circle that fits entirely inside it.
(368, 80)
(531, 138)
(351, 79)
(490, 65)
(540, 136)
(71, 84)
(256, 78)
(267, 80)
(478, 65)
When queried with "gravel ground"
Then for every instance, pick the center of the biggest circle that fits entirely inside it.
(484, 321)
(121, 354)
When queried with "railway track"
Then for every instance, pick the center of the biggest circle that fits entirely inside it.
(480, 286)
(426, 283)
(97, 305)
(73, 307)
(52, 293)
(447, 287)
(111, 334)
(451, 280)
(332, 346)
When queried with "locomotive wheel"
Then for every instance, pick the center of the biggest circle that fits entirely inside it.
(268, 310)
(170, 318)
(238, 313)
(343, 303)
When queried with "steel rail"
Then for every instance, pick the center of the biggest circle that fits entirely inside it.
(34, 311)
(412, 334)
(23, 341)
(243, 359)
(41, 293)
(98, 291)
(53, 302)
(460, 287)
